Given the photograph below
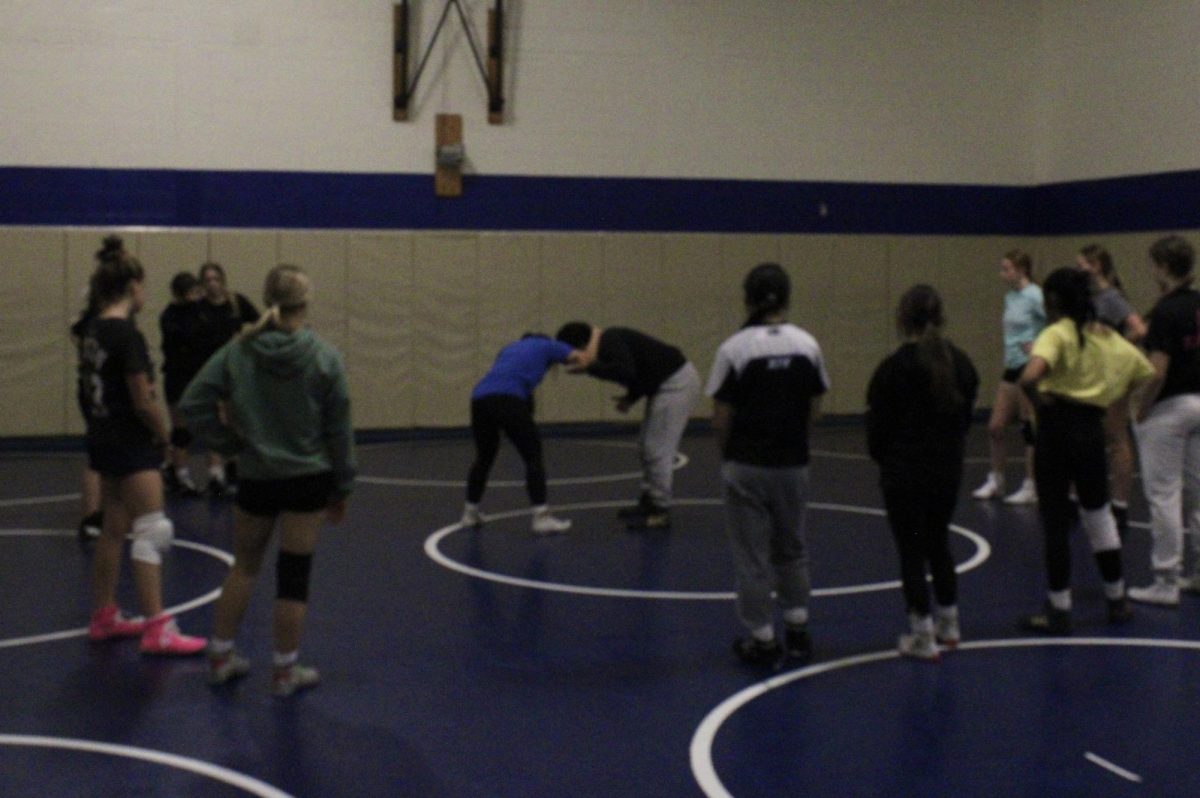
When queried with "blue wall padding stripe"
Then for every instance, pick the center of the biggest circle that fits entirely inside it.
(182, 198)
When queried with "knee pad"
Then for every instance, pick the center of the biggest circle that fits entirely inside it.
(1028, 433)
(291, 576)
(152, 536)
(1101, 528)
(181, 438)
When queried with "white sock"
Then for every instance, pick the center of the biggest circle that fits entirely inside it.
(1060, 599)
(285, 660)
(541, 509)
(217, 472)
(763, 634)
(795, 616)
(1114, 590)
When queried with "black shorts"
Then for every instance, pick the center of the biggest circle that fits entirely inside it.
(114, 453)
(1012, 375)
(270, 497)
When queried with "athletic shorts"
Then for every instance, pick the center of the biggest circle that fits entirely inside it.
(270, 497)
(118, 455)
(1012, 375)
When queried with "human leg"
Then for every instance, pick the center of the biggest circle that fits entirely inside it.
(1026, 493)
(1004, 409)
(749, 527)
(91, 516)
(667, 414)
(298, 533)
(1161, 441)
(485, 431)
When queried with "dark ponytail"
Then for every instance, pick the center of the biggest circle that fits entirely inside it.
(1068, 294)
(920, 316)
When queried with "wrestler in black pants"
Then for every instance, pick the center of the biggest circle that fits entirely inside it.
(512, 415)
(919, 508)
(1070, 449)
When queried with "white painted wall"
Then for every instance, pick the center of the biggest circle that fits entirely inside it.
(1120, 88)
(862, 90)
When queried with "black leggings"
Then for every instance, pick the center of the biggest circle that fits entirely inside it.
(512, 415)
(919, 512)
(1070, 449)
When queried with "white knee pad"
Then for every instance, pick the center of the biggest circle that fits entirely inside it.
(1101, 528)
(152, 536)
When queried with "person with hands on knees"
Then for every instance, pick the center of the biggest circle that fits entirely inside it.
(276, 397)
(126, 440)
(503, 402)
(670, 384)
(1078, 368)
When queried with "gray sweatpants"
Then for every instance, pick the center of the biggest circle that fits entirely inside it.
(765, 522)
(667, 414)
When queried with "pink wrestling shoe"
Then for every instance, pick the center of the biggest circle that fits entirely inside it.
(109, 623)
(162, 636)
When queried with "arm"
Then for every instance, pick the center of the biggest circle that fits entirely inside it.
(1153, 386)
(880, 409)
(145, 404)
(1135, 328)
(200, 406)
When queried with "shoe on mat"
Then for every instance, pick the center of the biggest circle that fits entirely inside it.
(1026, 494)
(224, 668)
(1050, 621)
(1162, 592)
(110, 623)
(797, 643)
(287, 680)
(643, 506)
(918, 646)
(753, 651)
(659, 518)
(990, 489)
(547, 524)
(162, 637)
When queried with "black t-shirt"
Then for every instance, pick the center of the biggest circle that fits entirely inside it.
(182, 326)
(1175, 331)
(638, 361)
(906, 429)
(219, 323)
(769, 374)
(112, 349)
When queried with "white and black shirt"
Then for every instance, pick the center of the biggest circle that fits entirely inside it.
(769, 375)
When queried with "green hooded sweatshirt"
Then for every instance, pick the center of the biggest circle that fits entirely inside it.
(288, 404)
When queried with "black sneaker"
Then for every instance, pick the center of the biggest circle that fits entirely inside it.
(643, 506)
(658, 518)
(1050, 621)
(755, 652)
(1119, 610)
(797, 643)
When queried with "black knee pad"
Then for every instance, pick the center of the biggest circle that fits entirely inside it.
(181, 438)
(1028, 432)
(291, 576)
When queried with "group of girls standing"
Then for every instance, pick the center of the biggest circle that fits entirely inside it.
(1071, 368)
(297, 470)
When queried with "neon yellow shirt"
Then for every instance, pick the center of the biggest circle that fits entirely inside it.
(1098, 373)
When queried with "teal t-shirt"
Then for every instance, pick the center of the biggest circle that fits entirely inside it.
(1024, 318)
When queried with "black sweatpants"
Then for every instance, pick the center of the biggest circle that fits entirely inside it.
(512, 415)
(1070, 448)
(919, 508)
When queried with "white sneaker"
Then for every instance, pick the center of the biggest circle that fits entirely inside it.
(546, 524)
(946, 631)
(1161, 592)
(1190, 584)
(471, 517)
(919, 647)
(919, 643)
(990, 489)
(1026, 494)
